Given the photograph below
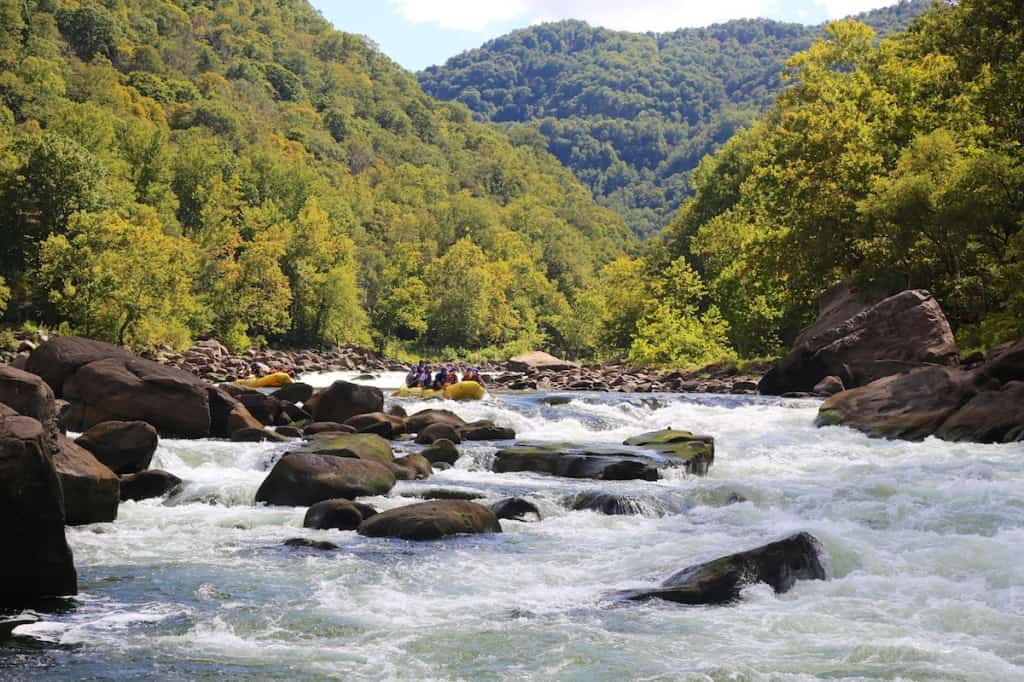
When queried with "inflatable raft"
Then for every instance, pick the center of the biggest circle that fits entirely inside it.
(269, 381)
(464, 390)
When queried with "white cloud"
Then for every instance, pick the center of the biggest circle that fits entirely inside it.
(628, 15)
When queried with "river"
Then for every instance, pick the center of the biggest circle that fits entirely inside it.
(925, 542)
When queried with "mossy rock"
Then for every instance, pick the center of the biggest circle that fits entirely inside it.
(576, 462)
(695, 452)
(432, 521)
(366, 446)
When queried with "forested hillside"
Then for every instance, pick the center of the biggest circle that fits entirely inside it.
(632, 114)
(240, 168)
(897, 166)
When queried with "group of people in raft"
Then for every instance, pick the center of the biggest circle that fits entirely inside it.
(423, 376)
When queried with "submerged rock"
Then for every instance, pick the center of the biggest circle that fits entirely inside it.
(441, 450)
(779, 564)
(37, 560)
(310, 544)
(606, 503)
(425, 418)
(339, 514)
(125, 447)
(303, 479)
(515, 509)
(148, 484)
(574, 462)
(411, 467)
(696, 453)
(432, 520)
(433, 432)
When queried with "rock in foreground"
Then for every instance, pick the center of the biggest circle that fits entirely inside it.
(125, 447)
(779, 564)
(37, 560)
(343, 400)
(92, 491)
(696, 453)
(432, 521)
(575, 462)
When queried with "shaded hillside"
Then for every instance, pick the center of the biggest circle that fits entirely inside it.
(241, 168)
(631, 114)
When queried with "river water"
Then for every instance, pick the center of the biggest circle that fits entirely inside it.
(925, 542)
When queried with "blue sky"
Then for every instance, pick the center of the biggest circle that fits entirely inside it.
(418, 33)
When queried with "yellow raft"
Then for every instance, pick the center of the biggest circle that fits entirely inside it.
(464, 390)
(269, 381)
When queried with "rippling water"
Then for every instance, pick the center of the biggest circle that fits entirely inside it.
(925, 541)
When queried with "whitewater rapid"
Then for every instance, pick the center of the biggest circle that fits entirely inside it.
(925, 542)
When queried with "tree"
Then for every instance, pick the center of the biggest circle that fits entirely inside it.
(458, 304)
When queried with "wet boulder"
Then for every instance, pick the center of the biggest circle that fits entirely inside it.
(995, 416)
(368, 446)
(91, 490)
(425, 418)
(228, 414)
(37, 560)
(432, 520)
(719, 581)
(830, 385)
(338, 514)
(441, 450)
(380, 423)
(575, 462)
(306, 543)
(515, 509)
(537, 361)
(606, 503)
(302, 480)
(295, 392)
(148, 484)
(412, 467)
(898, 333)
(260, 435)
(436, 432)
(486, 430)
(682, 448)
(125, 447)
(343, 400)
(911, 406)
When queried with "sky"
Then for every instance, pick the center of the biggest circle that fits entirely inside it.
(419, 33)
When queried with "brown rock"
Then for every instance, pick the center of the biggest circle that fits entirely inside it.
(432, 520)
(27, 394)
(539, 360)
(436, 432)
(91, 489)
(343, 400)
(301, 480)
(411, 467)
(147, 484)
(124, 447)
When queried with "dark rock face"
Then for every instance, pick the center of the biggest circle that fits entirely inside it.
(432, 521)
(322, 545)
(343, 400)
(988, 417)
(516, 509)
(386, 425)
(829, 386)
(148, 484)
(606, 503)
(367, 446)
(696, 453)
(779, 564)
(486, 431)
(27, 394)
(301, 480)
(326, 427)
(125, 447)
(228, 415)
(37, 560)
(91, 490)
(896, 334)
(106, 383)
(425, 418)
(436, 432)
(574, 462)
(296, 392)
(260, 435)
(333, 514)
(441, 450)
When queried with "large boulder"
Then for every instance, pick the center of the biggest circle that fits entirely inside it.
(432, 520)
(337, 514)
(719, 581)
(576, 462)
(342, 400)
(228, 414)
(37, 560)
(91, 490)
(368, 446)
(606, 503)
(911, 406)
(301, 480)
(125, 447)
(296, 392)
(386, 425)
(106, 383)
(436, 432)
(429, 417)
(900, 332)
(538, 360)
(412, 467)
(442, 450)
(988, 417)
(27, 394)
